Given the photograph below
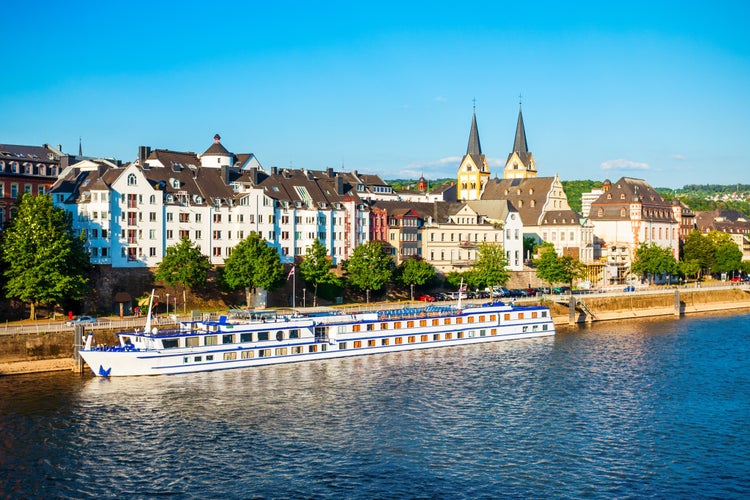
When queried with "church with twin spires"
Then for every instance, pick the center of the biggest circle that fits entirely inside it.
(540, 201)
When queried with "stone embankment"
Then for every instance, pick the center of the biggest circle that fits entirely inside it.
(42, 352)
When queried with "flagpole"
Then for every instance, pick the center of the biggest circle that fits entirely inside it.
(294, 289)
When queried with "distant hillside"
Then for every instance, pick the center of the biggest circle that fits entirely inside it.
(403, 184)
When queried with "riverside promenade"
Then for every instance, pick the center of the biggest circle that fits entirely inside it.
(45, 346)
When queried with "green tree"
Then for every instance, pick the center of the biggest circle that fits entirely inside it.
(490, 268)
(690, 268)
(414, 271)
(547, 265)
(554, 269)
(369, 268)
(315, 268)
(44, 261)
(183, 264)
(252, 263)
(529, 246)
(727, 255)
(698, 248)
(652, 260)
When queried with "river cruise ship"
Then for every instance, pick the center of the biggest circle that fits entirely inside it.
(265, 339)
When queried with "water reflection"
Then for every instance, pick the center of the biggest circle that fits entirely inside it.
(628, 409)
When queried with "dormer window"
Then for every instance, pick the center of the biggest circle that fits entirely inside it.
(175, 183)
(622, 212)
(132, 180)
(622, 196)
(609, 196)
(600, 212)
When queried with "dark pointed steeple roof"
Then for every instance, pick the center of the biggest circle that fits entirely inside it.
(519, 144)
(474, 147)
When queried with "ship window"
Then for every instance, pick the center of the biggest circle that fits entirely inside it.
(246, 337)
(459, 321)
(170, 343)
(264, 353)
(409, 324)
(520, 315)
(210, 340)
(279, 336)
(481, 319)
(262, 336)
(525, 328)
(423, 338)
(506, 317)
(297, 349)
(448, 336)
(355, 328)
(384, 342)
(371, 343)
(185, 359)
(447, 321)
(411, 339)
(198, 359)
(436, 336)
(533, 314)
(482, 333)
(210, 357)
(227, 339)
(422, 322)
(544, 314)
(493, 331)
(323, 347)
(471, 319)
(312, 348)
(544, 327)
(383, 326)
(397, 325)
(294, 334)
(342, 346)
(192, 341)
(399, 340)
(281, 351)
(370, 327)
(435, 322)
(493, 317)
(460, 335)
(228, 356)
(357, 344)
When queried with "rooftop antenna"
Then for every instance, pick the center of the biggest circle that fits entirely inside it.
(80, 147)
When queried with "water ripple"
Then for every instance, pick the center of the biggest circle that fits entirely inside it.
(632, 410)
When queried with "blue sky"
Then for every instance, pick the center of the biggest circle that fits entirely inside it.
(655, 90)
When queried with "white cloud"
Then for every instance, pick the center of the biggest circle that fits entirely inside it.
(623, 164)
(678, 157)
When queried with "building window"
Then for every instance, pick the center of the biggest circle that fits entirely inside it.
(14, 191)
(131, 180)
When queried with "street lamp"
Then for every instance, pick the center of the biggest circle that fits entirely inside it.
(175, 304)
(167, 304)
(304, 296)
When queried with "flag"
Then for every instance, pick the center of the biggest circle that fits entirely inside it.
(291, 273)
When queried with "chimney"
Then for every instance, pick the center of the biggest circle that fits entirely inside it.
(225, 174)
(143, 153)
(339, 185)
(329, 171)
(254, 175)
(274, 170)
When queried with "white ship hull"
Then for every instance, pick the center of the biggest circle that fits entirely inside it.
(222, 345)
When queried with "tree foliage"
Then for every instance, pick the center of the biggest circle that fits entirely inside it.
(574, 190)
(44, 261)
(315, 268)
(184, 265)
(252, 263)
(415, 271)
(554, 269)
(369, 268)
(653, 260)
(490, 268)
(714, 252)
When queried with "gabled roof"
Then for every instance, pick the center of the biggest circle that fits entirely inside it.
(217, 149)
(528, 196)
(27, 153)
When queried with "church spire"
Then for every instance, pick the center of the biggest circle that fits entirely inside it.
(519, 144)
(474, 147)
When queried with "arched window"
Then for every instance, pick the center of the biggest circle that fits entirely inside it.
(600, 212)
(622, 212)
(131, 180)
(152, 199)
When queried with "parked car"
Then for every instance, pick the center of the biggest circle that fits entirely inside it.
(81, 320)
(629, 288)
(426, 298)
